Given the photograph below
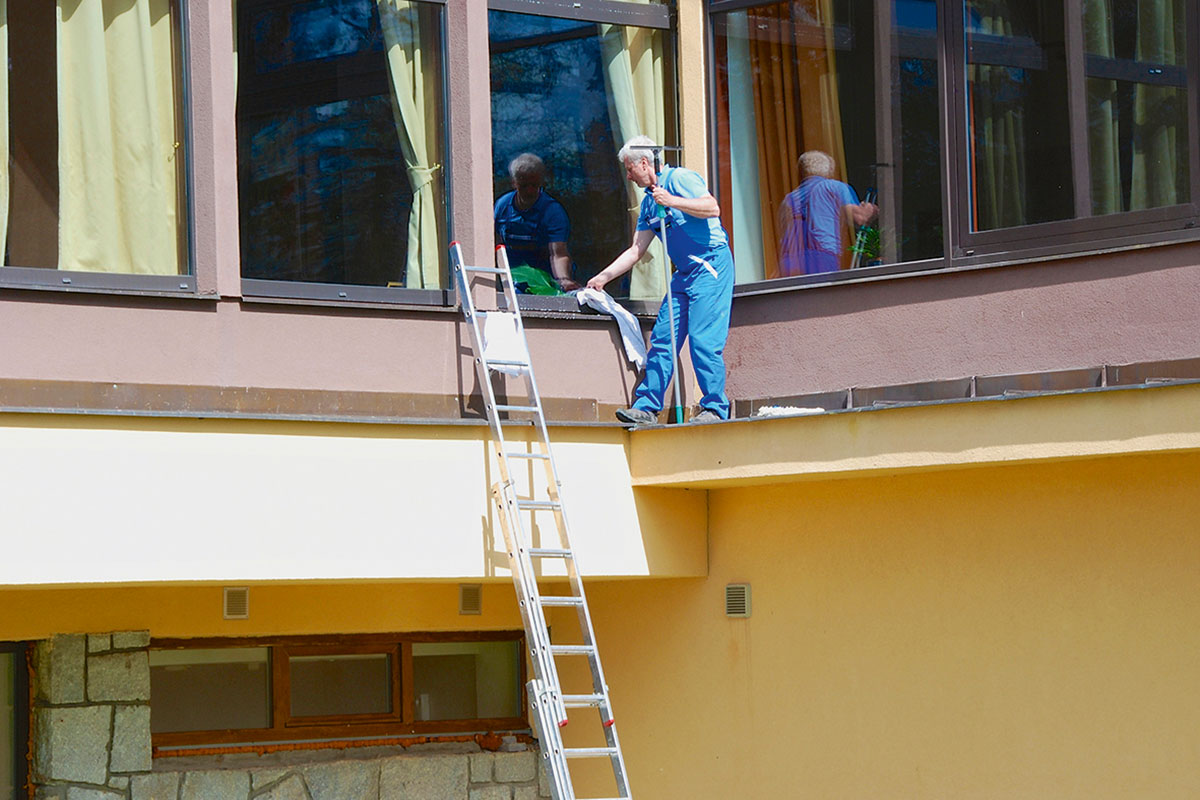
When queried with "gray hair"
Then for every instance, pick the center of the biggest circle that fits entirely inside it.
(526, 164)
(637, 148)
(817, 162)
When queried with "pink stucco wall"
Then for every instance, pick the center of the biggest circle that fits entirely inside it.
(1132, 306)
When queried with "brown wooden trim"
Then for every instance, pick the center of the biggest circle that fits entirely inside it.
(281, 691)
(336, 731)
(405, 684)
(334, 640)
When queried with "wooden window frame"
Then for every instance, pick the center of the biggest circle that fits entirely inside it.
(20, 653)
(399, 723)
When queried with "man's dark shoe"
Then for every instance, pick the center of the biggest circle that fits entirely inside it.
(706, 415)
(636, 416)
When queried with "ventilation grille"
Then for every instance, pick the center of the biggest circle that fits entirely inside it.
(237, 602)
(470, 598)
(737, 600)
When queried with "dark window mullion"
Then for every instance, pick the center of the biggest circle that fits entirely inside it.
(952, 80)
(1077, 94)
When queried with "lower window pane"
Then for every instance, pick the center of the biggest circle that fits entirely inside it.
(206, 690)
(467, 680)
(335, 685)
(8, 726)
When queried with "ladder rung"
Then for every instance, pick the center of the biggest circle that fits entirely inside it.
(491, 270)
(572, 649)
(549, 552)
(542, 456)
(563, 601)
(538, 504)
(589, 752)
(583, 700)
(526, 409)
(503, 362)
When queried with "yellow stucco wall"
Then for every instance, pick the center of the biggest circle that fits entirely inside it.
(1008, 632)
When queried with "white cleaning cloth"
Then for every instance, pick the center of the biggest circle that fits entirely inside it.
(786, 411)
(631, 332)
(502, 343)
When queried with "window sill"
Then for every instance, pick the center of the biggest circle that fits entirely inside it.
(49, 280)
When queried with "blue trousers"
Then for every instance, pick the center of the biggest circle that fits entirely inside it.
(702, 293)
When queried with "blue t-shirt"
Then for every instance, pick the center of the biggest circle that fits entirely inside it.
(812, 238)
(686, 235)
(527, 234)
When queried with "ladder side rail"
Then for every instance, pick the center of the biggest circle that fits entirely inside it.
(482, 368)
(553, 751)
(529, 599)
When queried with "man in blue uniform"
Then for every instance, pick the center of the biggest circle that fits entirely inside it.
(532, 225)
(701, 288)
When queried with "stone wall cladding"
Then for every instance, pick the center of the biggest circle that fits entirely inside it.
(413, 774)
(91, 715)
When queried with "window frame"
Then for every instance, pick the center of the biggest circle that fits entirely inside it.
(1036, 242)
(128, 283)
(317, 293)
(399, 723)
(21, 700)
(659, 16)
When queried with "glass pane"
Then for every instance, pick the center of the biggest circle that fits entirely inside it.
(813, 79)
(210, 689)
(97, 178)
(1137, 104)
(572, 93)
(340, 133)
(8, 726)
(1019, 158)
(467, 680)
(334, 685)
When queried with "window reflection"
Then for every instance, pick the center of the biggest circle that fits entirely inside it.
(571, 93)
(812, 77)
(340, 142)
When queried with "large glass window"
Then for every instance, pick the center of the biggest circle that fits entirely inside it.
(828, 145)
(340, 148)
(91, 158)
(1067, 123)
(571, 90)
(305, 688)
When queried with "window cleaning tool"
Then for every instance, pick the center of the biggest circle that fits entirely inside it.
(860, 237)
(662, 233)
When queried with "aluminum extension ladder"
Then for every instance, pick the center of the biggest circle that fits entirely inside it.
(534, 500)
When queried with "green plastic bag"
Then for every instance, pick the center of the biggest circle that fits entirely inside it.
(531, 280)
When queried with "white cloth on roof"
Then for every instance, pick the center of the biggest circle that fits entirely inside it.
(631, 332)
(501, 342)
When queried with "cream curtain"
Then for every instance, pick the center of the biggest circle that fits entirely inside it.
(997, 134)
(412, 59)
(118, 206)
(1161, 39)
(1104, 156)
(634, 76)
(4, 146)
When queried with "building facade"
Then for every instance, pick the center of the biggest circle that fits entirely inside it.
(250, 546)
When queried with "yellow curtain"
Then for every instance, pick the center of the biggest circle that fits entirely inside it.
(796, 104)
(4, 147)
(1104, 155)
(634, 76)
(1161, 39)
(412, 53)
(117, 150)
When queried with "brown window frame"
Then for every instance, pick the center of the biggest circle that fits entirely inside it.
(398, 723)
(963, 248)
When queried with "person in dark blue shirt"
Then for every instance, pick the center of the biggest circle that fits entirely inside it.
(532, 225)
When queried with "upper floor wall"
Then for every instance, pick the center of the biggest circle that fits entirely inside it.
(275, 240)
